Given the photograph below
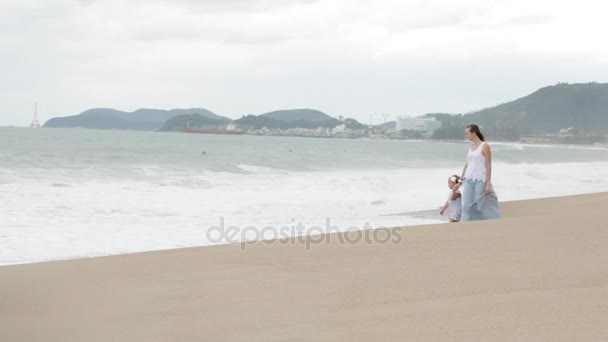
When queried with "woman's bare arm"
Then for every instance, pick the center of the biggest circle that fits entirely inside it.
(488, 154)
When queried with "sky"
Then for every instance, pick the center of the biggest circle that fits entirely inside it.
(355, 58)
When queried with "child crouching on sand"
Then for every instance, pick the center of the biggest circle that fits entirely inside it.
(454, 202)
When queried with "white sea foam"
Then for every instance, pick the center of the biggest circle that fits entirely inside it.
(43, 221)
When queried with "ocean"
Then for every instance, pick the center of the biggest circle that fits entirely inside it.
(68, 193)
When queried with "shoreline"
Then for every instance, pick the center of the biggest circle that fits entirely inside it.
(428, 214)
(456, 141)
(538, 274)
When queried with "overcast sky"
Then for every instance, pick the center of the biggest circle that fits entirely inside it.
(344, 57)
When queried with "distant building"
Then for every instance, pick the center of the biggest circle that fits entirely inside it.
(339, 129)
(426, 126)
(410, 124)
(566, 131)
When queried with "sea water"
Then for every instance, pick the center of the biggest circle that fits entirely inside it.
(67, 193)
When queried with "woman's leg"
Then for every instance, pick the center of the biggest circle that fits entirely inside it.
(474, 199)
(468, 195)
(477, 189)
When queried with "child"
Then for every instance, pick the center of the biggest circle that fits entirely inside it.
(454, 202)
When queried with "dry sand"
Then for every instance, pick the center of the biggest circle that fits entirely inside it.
(539, 274)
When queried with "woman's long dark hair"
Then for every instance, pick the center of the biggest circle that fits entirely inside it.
(475, 129)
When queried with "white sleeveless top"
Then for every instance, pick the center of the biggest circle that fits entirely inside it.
(476, 165)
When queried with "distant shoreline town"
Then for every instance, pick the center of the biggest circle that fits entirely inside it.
(563, 114)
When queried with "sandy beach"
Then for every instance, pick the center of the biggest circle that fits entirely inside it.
(538, 274)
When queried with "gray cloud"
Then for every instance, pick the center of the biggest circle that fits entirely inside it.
(526, 20)
(239, 6)
(250, 56)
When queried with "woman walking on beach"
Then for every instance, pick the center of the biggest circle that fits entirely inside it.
(479, 201)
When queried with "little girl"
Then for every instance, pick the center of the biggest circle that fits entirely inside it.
(454, 202)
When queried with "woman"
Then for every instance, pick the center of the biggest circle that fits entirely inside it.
(479, 201)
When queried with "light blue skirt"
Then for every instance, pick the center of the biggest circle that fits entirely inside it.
(476, 204)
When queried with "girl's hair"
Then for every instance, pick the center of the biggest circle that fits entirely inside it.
(455, 178)
(473, 128)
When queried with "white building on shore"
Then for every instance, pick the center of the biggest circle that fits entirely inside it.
(424, 125)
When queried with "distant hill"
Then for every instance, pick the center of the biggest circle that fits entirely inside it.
(141, 119)
(294, 115)
(178, 123)
(354, 124)
(284, 119)
(256, 122)
(388, 125)
(581, 106)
